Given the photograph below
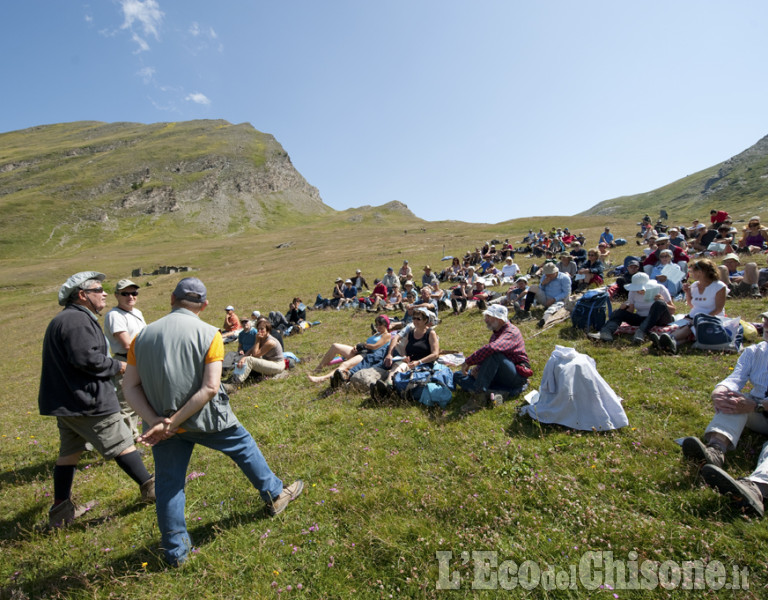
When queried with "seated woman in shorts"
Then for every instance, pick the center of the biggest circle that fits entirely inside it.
(705, 295)
(353, 355)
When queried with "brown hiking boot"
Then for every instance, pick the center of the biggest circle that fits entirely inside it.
(148, 490)
(64, 513)
(745, 493)
(695, 450)
(289, 494)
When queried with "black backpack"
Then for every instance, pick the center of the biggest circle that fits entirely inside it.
(592, 310)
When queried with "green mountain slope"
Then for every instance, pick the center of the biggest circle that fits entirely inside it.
(63, 185)
(738, 185)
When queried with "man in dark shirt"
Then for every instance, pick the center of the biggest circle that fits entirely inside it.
(76, 387)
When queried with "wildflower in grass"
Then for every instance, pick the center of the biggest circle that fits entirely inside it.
(144, 565)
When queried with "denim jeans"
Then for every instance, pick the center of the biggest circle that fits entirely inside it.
(171, 462)
(496, 373)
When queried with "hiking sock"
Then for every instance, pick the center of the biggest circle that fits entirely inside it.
(132, 464)
(63, 475)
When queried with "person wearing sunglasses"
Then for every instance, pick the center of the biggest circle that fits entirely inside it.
(77, 388)
(121, 324)
(418, 344)
(754, 237)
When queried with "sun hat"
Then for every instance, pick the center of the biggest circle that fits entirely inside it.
(549, 268)
(639, 281)
(732, 256)
(74, 283)
(431, 318)
(230, 307)
(497, 311)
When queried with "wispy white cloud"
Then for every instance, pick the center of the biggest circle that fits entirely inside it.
(140, 42)
(144, 15)
(88, 18)
(212, 33)
(198, 98)
(194, 29)
(147, 74)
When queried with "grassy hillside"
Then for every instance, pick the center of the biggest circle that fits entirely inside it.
(65, 186)
(387, 486)
(738, 185)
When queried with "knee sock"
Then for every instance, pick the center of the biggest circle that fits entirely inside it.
(63, 475)
(529, 298)
(132, 464)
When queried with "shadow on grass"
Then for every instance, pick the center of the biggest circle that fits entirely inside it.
(27, 474)
(34, 520)
(65, 582)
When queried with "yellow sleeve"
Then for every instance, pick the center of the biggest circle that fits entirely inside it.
(132, 352)
(215, 351)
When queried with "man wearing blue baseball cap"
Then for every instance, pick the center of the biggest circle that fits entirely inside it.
(173, 380)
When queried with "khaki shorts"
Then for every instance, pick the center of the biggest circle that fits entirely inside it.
(109, 435)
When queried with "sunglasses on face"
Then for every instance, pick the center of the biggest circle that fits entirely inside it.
(97, 290)
(134, 294)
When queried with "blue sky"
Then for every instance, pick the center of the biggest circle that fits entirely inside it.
(479, 111)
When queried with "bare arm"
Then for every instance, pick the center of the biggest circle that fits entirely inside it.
(260, 350)
(434, 346)
(719, 302)
(384, 339)
(123, 338)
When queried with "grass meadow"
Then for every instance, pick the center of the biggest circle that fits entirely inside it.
(390, 490)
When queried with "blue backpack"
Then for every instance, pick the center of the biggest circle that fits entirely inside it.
(429, 385)
(712, 334)
(592, 311)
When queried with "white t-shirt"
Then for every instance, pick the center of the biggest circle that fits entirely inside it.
(703, 301)
(642, 304)
(118, 320)
(509, 271)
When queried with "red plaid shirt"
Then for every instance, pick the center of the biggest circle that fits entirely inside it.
(508, 340)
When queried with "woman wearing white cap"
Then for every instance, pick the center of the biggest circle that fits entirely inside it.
(648, 305)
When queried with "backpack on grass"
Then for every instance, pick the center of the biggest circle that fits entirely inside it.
(592, 311)
(429, 385)
(719, 335)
